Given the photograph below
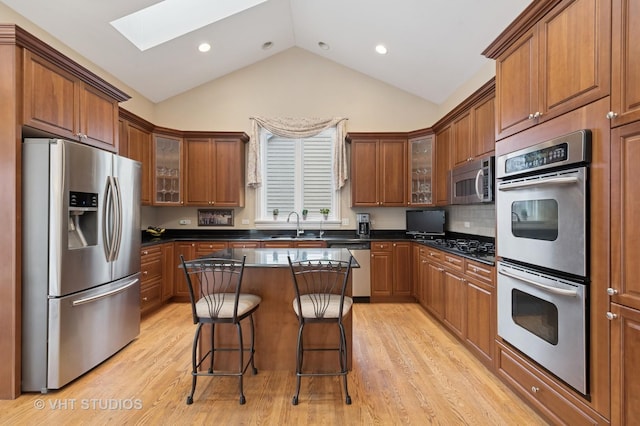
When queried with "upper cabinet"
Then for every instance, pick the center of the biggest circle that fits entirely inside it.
(378, 169)
(560, 61)
(443, 164)
(625, 62)
(421, 158)
(167, 171)
(60, 102)
(135, 143)
(214, 170)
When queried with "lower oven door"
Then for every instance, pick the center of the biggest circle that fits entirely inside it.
(545, 318)
(542, 220)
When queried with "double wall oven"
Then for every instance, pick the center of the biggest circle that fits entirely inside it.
(542, 213)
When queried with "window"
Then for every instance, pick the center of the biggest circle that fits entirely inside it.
(297, 174)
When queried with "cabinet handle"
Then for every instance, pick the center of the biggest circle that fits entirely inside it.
(144, 272)
(441, 269)
(611, 316)
(145, 252)
(145, 299)
(530, 116)
(537, 114)
(611, 115)
(612, 291)
(535, 389)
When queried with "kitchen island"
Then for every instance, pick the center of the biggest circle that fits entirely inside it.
(267, 274)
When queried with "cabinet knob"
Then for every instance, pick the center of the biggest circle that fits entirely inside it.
(537, 114)
(145, 252)
(145, 273)
(535, 389)
(611, 316)
(611, 115)
(531, 117)
(145, 299)
(612, 291)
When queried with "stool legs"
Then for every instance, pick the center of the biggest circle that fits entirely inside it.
(299, 355)
(343, 362)
(194, 363)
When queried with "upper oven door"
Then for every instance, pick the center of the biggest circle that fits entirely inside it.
(542, 220)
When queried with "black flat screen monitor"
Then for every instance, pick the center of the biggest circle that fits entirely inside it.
(425, 222)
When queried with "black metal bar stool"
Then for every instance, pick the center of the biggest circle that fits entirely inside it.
(320, 298)
(214, 290)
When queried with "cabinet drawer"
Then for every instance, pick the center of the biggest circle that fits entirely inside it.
(453, 262)
(210, 247)
(151, 269)
(543, 396)
(151, 296)
(381, 246)
(431, 254)
(244, 244)
(479, 270)
(148, 252)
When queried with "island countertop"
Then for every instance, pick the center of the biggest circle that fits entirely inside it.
(277, 257)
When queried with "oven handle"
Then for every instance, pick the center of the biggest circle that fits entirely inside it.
(554, 290)
(529, 183)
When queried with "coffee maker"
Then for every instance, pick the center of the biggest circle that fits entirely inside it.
(364, 225)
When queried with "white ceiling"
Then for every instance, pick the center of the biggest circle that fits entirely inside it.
(434, 45)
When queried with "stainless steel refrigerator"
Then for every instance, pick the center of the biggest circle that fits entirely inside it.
(81, 259)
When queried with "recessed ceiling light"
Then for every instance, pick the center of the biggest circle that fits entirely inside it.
(381, 49)
(323, 45)
(204, 47)
(267, 45)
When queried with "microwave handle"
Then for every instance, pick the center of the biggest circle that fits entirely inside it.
(547, 288)
(479, 191)
(529, 183)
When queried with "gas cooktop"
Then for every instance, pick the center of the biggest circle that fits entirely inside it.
(468, 247)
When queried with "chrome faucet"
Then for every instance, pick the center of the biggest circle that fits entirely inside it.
(298, 230)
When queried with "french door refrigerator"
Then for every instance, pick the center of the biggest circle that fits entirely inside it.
(81, 259)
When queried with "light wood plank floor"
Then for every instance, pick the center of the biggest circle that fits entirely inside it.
(407, 370)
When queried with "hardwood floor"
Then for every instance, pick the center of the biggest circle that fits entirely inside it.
(407, 370)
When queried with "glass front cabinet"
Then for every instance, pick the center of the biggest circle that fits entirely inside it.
(168, 184)
(421, 171)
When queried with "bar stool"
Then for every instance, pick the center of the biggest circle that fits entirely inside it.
(214, 289)
(320, 298)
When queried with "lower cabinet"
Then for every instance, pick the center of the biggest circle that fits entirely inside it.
(391, 278)
(625, 358)
(150, 278)
(168, 271)
(187, 250)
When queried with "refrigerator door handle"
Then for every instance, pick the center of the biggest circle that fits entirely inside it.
(110, 219)
(117, 235)
(103, 295)
(106, 220)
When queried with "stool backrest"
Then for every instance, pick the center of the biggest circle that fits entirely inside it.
(318, 279)
(215, 282)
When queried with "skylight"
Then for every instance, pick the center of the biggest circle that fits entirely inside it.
(170, 19)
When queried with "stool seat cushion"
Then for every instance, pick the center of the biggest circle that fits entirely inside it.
(220, 305)
(312, 305)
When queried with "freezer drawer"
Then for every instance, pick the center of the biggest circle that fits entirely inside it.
(84, 329)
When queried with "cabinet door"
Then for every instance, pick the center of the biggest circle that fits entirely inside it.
(139, 149)
(575, 55)
(381, 273)
(199, 172)
(443, 144)
(228, 170)
(98, 117)
(167, 171)
(401, 269)
(392, 172)
(517, 85)
(50, 99)
(188, 250)
(364, 178)
(423, 281)
(168, 271)
(484, 124)
(455, 302)
(625, 204)
(462, 139)
(625, 359)
(435, 290)
(480, 320)
(625, 61)
(420, 182)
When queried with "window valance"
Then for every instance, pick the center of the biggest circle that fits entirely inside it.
(297, 128)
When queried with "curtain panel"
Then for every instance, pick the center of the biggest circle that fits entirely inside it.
(297, 128)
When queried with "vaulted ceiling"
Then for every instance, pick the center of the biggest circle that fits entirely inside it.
(434, 46)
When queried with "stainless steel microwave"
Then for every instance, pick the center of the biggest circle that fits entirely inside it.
(472, 182)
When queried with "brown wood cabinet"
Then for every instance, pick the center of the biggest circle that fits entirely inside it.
(625, 358)
(214, 171)
(169, 271)
(561, 62)
(378, 169)
(421, 159)
(462, 138)
(443, 164)
(167, 172)
(391, 271)
(625, 62)
(59, 102)
(187, 249)
(151, 275)
(474, 130)
(136, 144)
